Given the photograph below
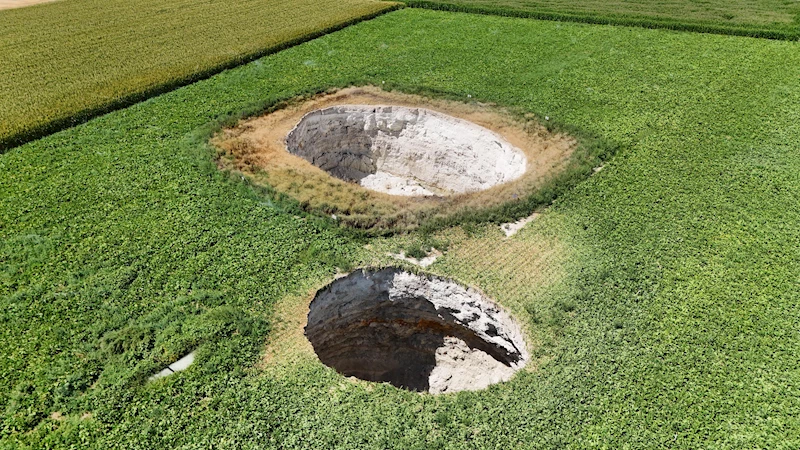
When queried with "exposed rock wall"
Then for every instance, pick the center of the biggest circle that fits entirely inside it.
(405, 151)
(418, 332)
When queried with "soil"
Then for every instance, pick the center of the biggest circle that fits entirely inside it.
(426, 261)
(11, 4)
(513, 228)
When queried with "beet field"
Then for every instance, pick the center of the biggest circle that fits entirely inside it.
(647, 297)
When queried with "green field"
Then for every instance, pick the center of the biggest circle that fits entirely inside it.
(661, 292)
(66, 61)
(775, 19)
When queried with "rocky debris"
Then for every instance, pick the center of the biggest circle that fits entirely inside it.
(418, 332)
(513, 228)
(459, 368)
(405, 151)
(177, 366)
(423, 262)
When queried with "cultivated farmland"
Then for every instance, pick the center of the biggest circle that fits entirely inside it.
(64, 62)
(658, 293)
(774, 19)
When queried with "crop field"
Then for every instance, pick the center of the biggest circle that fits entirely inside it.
(85, 57)
(775, 19)
(659, 294)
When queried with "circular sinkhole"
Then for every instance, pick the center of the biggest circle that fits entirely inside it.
(417, 332)
(407, 151)
(287, 149)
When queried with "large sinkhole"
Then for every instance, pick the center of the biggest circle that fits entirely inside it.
(405, 151)
(417, 332)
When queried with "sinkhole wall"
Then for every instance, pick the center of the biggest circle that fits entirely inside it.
(405, 151)
(418, 332)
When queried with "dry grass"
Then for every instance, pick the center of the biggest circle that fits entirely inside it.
(257, 148)
(512, 269)
(520, 273)
(287, 345)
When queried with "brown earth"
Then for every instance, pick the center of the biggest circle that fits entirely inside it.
(11, 4)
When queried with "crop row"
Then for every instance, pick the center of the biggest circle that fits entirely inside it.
(669, 17)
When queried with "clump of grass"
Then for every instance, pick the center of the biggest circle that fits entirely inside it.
(426, 243)
(567, 306)
(416, 251)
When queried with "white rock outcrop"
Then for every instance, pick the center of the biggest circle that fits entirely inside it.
(405, 151)
(513, 228)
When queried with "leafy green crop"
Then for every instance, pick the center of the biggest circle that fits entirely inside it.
(772, 19)
(673, 324)
(67, 61)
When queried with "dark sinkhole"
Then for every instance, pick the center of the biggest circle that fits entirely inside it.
(417, 332)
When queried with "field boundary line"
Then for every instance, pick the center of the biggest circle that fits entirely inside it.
(651, 23)
(54, 126)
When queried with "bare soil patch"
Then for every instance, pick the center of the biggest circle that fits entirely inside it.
(257, 147)
(11, 4)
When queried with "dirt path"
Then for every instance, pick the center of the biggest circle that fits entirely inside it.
(11, 4)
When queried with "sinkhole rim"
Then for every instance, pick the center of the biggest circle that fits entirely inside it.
(414, 330)
(255, 147)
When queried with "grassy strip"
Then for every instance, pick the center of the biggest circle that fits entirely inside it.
(610, 19)
(65, 103)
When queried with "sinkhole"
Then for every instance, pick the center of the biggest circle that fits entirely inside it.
(404, 150)
(415, 331)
